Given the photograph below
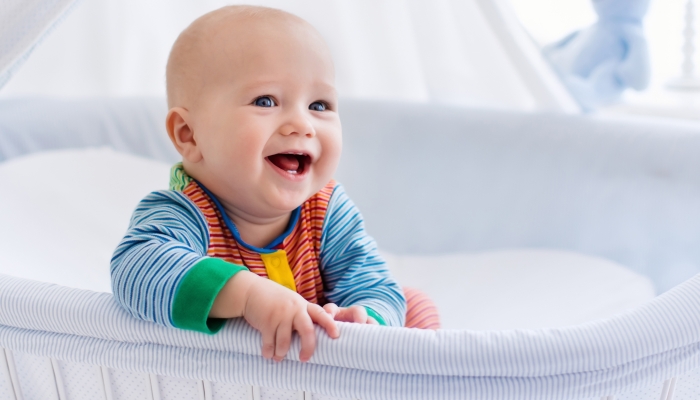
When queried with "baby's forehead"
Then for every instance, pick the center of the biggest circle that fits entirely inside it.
(234, 35)
(245, 28)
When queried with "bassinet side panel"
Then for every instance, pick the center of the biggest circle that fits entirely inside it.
(42, 378)
(79, 381)
(632, 350)
(35, 377)
(123, 385)
(7, 386)
(84, 381)
(435, 179)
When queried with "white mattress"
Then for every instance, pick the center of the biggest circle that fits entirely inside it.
(62, 213)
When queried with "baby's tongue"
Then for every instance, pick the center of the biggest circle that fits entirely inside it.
(287, 162)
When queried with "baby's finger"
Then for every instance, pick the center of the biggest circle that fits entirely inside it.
(331, 309)
(323, 319)
(372, 321)
(354, 314)
(268, 345)
(307, 335)
(359, 314)
(283, 340)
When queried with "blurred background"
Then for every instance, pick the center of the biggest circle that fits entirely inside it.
(482, 53)
(664, 25)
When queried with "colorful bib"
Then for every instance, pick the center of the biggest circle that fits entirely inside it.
(292, 260)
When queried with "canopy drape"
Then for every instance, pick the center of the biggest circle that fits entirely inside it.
(23, 24)
(467, 52)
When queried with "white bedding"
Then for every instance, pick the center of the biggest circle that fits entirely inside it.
(522, 288)
(62, 213)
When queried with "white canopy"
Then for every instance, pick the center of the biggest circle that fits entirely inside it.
(23, 25)
(468, 52)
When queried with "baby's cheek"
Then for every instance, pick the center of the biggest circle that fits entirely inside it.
(329, 162)
(242, 155)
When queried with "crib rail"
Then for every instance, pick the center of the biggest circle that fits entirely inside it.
(30, 377)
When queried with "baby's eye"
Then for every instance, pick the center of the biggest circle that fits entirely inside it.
(318, 106)
(264, 101)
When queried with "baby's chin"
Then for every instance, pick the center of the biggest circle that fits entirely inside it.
(286, 200)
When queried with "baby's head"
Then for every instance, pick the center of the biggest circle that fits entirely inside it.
(253, 108)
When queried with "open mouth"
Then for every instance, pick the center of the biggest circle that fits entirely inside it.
(291, 163)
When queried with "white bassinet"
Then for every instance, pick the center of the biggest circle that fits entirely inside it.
(429, 180)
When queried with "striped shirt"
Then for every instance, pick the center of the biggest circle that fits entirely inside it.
(181, 249)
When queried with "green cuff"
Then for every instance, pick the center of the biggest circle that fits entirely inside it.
(197, 291)
(376, 316)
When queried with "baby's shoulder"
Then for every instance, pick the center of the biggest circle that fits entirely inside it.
(326, 199)
(167, 207)
(340, 212)
(164, 200)
(327, 191)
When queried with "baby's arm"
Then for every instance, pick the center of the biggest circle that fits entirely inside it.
(160, 273)
(353, 272)
(161, 257)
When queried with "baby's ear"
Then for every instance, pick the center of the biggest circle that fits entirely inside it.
(181, 134)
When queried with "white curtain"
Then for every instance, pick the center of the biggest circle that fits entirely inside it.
(464, 52)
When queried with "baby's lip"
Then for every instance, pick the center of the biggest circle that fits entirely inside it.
(301, 151)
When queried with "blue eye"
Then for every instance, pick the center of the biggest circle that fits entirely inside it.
(264, 101)
(317, 106)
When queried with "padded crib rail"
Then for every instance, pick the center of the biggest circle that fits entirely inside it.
(131, 125)
(633, 350)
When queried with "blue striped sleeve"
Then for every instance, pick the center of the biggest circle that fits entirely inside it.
(353, 271)
(167, 236)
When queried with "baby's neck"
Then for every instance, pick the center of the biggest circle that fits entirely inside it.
(256, 231)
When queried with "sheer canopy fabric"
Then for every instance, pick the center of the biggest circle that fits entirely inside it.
(468, 52)
(23, 24)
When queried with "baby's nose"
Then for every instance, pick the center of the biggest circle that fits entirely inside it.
(298, 125)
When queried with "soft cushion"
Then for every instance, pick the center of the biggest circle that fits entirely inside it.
(62, 214)
(522, 288)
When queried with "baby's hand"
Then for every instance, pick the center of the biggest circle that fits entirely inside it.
(357, 314)
(275, 311)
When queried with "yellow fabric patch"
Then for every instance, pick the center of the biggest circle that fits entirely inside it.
(278, 269)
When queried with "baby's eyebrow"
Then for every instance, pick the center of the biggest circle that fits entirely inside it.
(270, 83)
(261, 84)
(329, 87)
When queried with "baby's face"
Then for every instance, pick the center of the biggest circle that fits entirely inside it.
(266, 119)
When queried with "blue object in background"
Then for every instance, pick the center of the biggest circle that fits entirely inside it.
(598, 63)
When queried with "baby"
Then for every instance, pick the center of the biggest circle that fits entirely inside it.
(253, 226)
